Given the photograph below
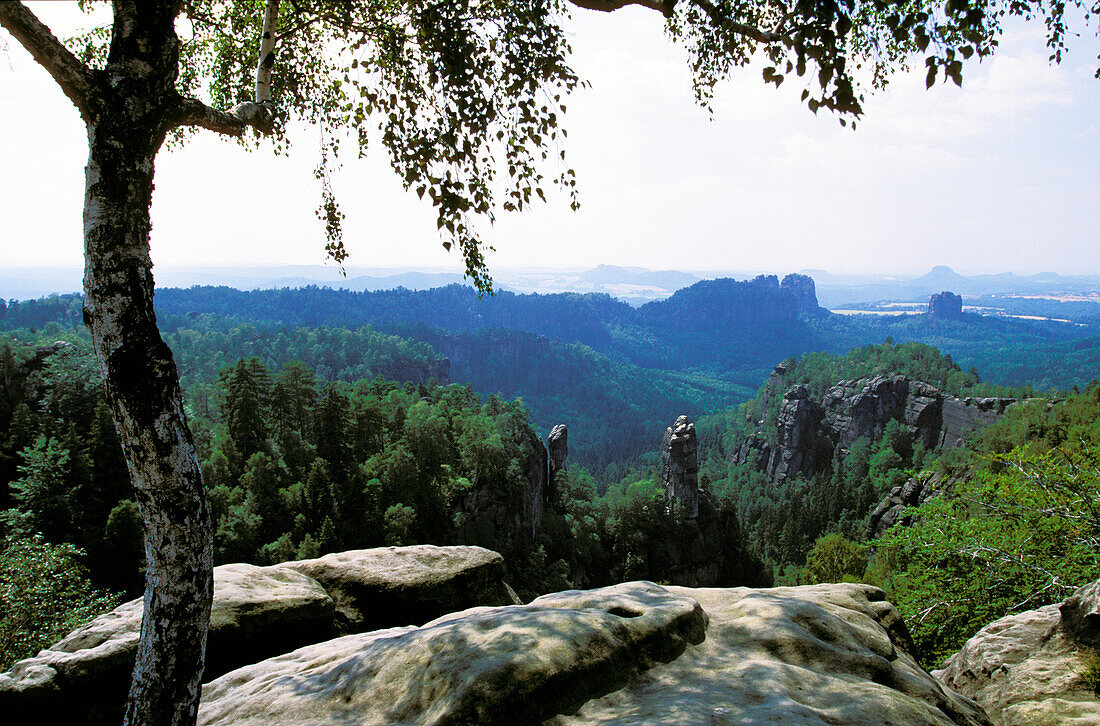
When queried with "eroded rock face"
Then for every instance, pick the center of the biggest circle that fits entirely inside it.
(680, 466)
(388, 586)
(810, 435)
(505, 516)
(557, 446)
(945, 306)
(257, 612)
(1028, 668)
(797, 656)
(802, 288)
(509, 665)
(914, 492)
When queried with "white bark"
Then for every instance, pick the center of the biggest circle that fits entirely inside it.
(266, 59)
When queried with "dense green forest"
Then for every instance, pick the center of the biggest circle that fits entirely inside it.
(334, 435)
(615, 410)
(296, 467)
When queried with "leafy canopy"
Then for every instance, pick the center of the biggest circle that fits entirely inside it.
(458, 93)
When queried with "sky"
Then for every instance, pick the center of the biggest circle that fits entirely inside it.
(1002, 174)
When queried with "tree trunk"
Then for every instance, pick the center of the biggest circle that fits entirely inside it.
(125, 131)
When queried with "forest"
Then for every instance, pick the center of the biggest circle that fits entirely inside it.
(320, 438)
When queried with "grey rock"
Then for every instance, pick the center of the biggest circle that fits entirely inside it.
(557, 445)
(945, 306)
(804, 291)
(1081, 615)
(84, 678)
(1029, 668)
(505, 665)
(799, 656)
(914, 492)
(812, 435)
(389, 586)
(680, 466)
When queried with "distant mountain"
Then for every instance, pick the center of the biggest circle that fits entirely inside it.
(942, 278)
(836, 291)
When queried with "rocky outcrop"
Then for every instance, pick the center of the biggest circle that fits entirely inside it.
(798, 656)
(1030, 668)
(804, 292)
(258, 612)
(511, 665)
(506, 516)
(810, 435)
(634, 653)
(945, 306)
(557, 446)
(387, 586)
(680, 466)
(890, 511)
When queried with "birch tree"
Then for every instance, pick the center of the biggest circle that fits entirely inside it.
(465, 98)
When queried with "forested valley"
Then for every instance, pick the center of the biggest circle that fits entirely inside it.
(323, 425)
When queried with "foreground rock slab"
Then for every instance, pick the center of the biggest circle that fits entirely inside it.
(798, 656)
(503, 665)
(388, 586)
(257, 612)
(1029, 668)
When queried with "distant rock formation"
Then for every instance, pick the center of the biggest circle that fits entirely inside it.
(915, 491)
(557, 445)
(680, 466)
(804, 292)
(1029, 668)
(810, 434)
(945, 306)
(513, 517)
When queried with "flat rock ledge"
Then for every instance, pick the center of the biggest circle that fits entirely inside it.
(797, 656)
(630, 654)
(388, 586)
(1029, 668)
(519, 664)
(258, 612)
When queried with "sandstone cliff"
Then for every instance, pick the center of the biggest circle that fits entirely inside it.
(945, 306)
(809, 434)
(1034, 667)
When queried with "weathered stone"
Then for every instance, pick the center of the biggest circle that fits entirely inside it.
(945, 306)
(258, 612)
(506, 665)
(506, 514)
(557, 446)
(804, 291)
(1081, 615)
(558, 441)
(388, 586)
(797, 656)
(1029, 668)
(914, 492)
(680, 466)
(810, 436)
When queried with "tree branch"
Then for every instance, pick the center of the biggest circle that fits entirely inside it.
(73, 76)
(724, 21)
(260, 116)
(666, 7)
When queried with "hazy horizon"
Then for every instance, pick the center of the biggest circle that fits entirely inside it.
(1001, 173)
